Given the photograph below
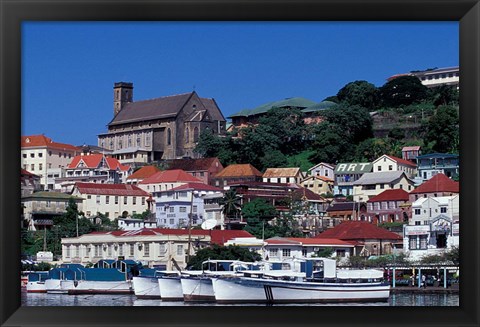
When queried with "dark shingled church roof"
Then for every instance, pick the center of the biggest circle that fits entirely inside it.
(164, 107)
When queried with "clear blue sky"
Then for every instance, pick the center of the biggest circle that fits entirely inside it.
(68, 69)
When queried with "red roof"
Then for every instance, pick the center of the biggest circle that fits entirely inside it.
(144, 172)
(239, 170)
(217, 236)
(43, 141)
(110, 189)
(24, 172)
(438, 183)
(403, 161)
(358, 230)
(197, 187)
(170, 176)
(94, 160)
(390, 195)
(306, 241)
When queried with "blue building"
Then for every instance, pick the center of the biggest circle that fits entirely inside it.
(431, 164)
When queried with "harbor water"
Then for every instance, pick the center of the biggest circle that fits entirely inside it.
(46, 299)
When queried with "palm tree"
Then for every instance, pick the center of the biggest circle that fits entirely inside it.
(231, 204)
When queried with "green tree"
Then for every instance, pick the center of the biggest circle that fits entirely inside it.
(257, 214)
(402, 91)
(230, 203)
(360, 93)
(217, 252)
(371, 149)
(444, 95)
(443, 130)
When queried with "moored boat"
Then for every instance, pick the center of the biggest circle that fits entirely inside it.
(36, 282)
(170, 287)
(319, 281)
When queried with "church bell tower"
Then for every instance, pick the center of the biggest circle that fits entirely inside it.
(122, 94)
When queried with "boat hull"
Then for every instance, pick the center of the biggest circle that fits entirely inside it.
(170, 288)
(58, 286)
(257, 290)
(36, 287)
(101, 287)
(197, 289)
(146, 287)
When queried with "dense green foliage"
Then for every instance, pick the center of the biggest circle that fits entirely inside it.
(410, 114)
(217, 252)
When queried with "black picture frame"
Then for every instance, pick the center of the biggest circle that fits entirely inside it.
(14, 12)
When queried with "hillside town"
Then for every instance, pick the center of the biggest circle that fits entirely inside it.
(154, 193)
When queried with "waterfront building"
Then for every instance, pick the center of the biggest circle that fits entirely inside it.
(438, 185)
(389, 206)
(434, 227)
(29, 182)
(367, 238)
(162, 128)
(431, 164)
(39, 208)
(159, 248)
(346, 174)
(391, 163)
(202, 168)
(184, 205)
(142, 173)
(372, 184)
(283, 248)
(40, 154)
(93, 168)
(135, 223)
(112, 200)
(282, 175)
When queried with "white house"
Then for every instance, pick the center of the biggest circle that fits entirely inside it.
(174, 206)
(391, 163)
(282, 175)
(322, 170)
(281, 248)
(167, 180)
(112, 200)
(434, 226)
(372, 184)
(40, 154)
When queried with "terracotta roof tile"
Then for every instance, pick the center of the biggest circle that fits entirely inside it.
(192, 164)
(44, 141)
(94, 160)
(144, 172)
(357, 230)
(438, 183)
(281, 172)
(111, 189)
(170, 176)
(239, 170)
(390, 195)
(403, 161)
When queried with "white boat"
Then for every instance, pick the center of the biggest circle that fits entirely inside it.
(147, 287)
(197, 284)
(99, 287)
(170, 287)
(319, 281)
(36, 282)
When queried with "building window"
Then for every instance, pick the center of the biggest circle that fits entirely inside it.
(194, 208)
(125, 200)
(116, 199)
(172, 221)
(32, 155)
(187, 135)
(423, 242)
(285, 253)
(379, 168)
(304, 252)
(172, 209)
(89, 197)
(182, 209)
(24, 155)
(390, 167)
(134, 200)
(32, 167)
(169, 136)
(146, 247)
(179, 249)
(443, 210)
(412, 242)
(132, 249)
(77, 251)
(195, 134)
(120, 249)
(98, 199)
(107, 199)
(161, 249)
(143, 201)
(97, 250)
(67, 251)
(109, 253)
